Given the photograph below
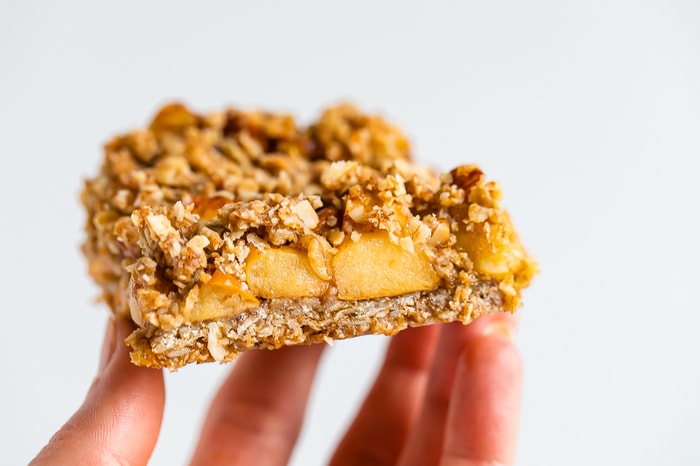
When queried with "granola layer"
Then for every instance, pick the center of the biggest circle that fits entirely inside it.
(234, 230)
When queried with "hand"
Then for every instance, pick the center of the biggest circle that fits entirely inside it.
(445, 394)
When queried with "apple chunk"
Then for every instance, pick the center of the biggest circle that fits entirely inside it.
(221, 296)
(374, 267)
(494, 249)
(282, 272)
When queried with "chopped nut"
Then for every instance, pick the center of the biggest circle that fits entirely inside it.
(466, 176)
(336, 237)
(169, 238)
(174, 171)
(306, 214)
(441, 234)
(478, 214)
(327, 218)
(217, 351)
(341, 175)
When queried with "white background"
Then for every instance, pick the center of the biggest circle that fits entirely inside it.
(587, 112)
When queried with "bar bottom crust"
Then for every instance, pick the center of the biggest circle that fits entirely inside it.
(283, 322)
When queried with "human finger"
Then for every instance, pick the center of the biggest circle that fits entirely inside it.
(256, 416)
(392, 404)
(425, 445)
(482, 419)
(120, 418)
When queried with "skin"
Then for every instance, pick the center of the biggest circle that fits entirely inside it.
(447, 395)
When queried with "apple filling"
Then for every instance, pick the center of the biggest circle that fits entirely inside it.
(222, 296)
(374, 267)
(386, 269)
(282, 273)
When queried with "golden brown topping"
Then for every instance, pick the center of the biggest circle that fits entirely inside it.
(208, 207)
(173, 118)
(328, 217)
(344, 133)
(466, 176)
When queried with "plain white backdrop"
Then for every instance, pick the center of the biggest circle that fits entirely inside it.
(587, 112)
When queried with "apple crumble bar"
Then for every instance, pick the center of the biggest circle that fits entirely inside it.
(235, 230)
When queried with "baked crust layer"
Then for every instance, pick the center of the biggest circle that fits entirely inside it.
(224, 232)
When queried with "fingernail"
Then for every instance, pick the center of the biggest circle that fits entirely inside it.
(502, 329)
(108, 345)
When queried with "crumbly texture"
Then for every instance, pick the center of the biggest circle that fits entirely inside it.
(235, 230)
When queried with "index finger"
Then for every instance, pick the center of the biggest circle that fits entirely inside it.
(120, 418)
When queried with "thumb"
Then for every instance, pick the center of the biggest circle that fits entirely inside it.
(120, 418)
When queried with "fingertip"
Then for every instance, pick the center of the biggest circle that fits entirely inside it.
(109, 344)
(121, 378)
(502, 323)
(484, 408)
(136, 394)
(492, 358)
(455, 343)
